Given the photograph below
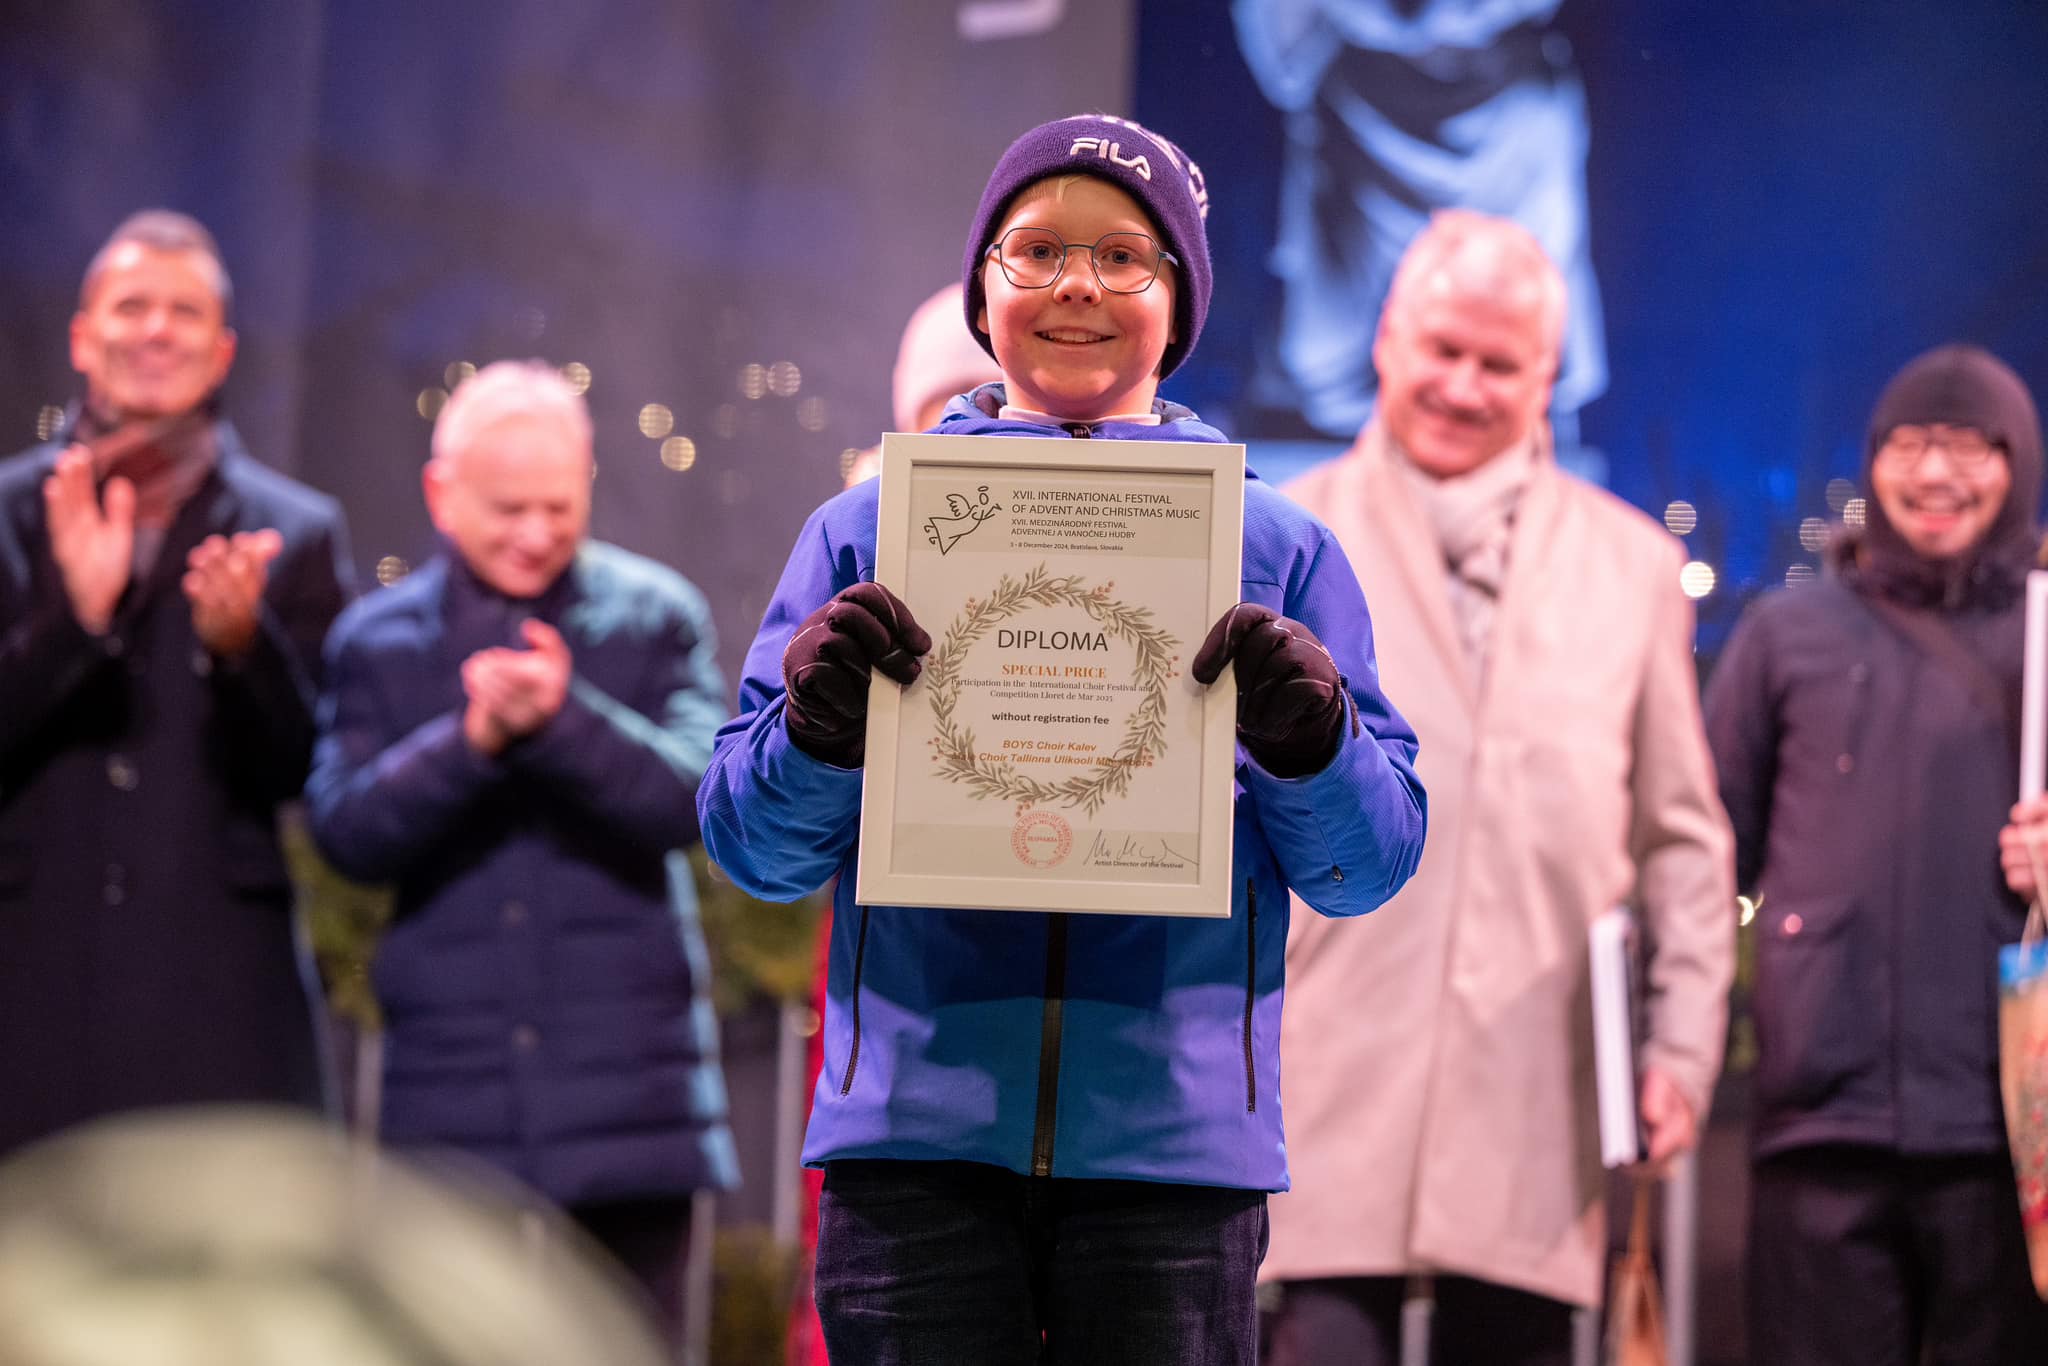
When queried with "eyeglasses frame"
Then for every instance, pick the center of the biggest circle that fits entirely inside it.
(1165, 257)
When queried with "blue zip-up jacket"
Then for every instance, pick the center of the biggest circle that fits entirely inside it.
(1131, 1047)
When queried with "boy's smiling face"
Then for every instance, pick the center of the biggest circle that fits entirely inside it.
(1073, 349)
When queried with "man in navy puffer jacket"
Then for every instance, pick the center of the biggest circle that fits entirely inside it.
(513, 735)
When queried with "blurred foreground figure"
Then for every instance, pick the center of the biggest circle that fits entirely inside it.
(246, 1237)
(1865, 731)
(512, 737)
(1439, 1082)
(162, 603)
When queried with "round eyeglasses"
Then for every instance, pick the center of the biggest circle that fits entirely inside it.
(1907, 446)
(1123, 262)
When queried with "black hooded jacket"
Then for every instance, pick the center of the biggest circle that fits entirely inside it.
(1864, 732)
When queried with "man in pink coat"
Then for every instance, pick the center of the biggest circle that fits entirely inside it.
(1439, 1084)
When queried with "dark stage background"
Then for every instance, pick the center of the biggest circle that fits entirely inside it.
(725, 210)
(1788, 199)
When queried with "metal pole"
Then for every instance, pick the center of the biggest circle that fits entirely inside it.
(697, 1279)
(1585, 1337)
(1681, 1257)
(1417, 1310)
(789, 1121)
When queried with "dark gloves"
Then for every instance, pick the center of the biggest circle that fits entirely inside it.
(825, 667)
(1290, 700)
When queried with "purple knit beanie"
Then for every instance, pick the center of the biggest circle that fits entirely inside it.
(1144, 165)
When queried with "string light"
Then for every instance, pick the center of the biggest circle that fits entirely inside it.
(784, 379)
(578, 375)
(391, 569)
(429, 402)
(679, 453)
(1680, 517)
(457, 372)
(1696, 578)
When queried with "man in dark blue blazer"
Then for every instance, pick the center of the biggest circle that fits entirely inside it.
(513, 736)
(162, 602)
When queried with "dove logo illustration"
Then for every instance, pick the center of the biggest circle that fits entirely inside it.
(963, 515)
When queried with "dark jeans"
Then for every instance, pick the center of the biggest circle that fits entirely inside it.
(1866, 1258)
(650, 1240)
(1356, 1321)
(962, 1264)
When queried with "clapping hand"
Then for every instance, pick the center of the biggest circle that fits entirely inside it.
(94, 546)
(513, 693)
(224, 579)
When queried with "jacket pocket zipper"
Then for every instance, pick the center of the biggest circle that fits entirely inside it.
(1251, 990)
(860, 953)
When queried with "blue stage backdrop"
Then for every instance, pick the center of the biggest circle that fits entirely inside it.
(722, 213)
(1784, 201)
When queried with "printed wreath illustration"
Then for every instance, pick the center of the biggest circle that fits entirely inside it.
(1144, 735)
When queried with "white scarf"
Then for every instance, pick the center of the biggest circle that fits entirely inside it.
(1473, 517)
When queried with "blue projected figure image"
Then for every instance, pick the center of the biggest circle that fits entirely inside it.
(1395, 109)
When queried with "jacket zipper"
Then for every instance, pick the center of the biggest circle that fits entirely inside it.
(860, 954)
(1049, 1026)
(1251, 990)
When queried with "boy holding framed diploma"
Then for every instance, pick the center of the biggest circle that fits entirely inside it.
(1045, 1133)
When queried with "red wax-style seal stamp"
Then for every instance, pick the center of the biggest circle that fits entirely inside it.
(1041, 839)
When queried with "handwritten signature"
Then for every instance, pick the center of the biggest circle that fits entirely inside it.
(1128, 851)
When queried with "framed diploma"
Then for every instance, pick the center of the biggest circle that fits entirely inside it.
(1055, 754)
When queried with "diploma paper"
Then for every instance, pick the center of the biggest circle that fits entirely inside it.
(1055, 754)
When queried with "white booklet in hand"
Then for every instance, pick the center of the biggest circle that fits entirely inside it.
(1611, 951)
